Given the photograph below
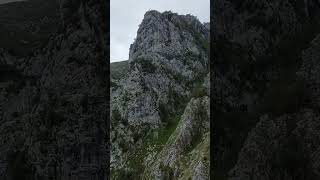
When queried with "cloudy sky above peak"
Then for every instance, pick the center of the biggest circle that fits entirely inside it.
(126, 15)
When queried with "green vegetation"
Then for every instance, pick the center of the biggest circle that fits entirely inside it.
(122, 174)
(200, 153)
(153, 142)
(174, 107)
(125, 98)
(163, 112)
(113, 84)
(197, 137)
(174, 75)
(198, 37)
(199, 90)
(118, 70)
(116, 116)
(167, 171)
(147, 65)
(201, 41)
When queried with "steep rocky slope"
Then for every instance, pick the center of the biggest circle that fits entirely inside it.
(265, 89)
(160, 109)
(54, 102)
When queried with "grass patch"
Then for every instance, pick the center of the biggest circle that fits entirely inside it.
(199, 90)
(154, 142)
(118, 70)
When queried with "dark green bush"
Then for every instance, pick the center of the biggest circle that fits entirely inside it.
(146, 65)
(124, 174)
(199, 90)
(116, 116)
(168, 172)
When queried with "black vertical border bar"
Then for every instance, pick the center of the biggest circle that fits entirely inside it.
(108, 89)
(210, 90)
(105, 10)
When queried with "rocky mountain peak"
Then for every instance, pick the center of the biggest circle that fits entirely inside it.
(168, 34)
(169, 52)
(167, 68)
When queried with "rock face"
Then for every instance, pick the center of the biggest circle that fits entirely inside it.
(54, 102)
(168, 65)
(265, 89)
(186, 153)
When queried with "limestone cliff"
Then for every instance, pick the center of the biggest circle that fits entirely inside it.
(160, 109)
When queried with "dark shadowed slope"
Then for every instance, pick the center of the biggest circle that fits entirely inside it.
(266, 89)
(26, 26)
(53, 104)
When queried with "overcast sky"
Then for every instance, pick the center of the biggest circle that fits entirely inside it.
(126, 15)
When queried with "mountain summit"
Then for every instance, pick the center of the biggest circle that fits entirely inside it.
(160, 108)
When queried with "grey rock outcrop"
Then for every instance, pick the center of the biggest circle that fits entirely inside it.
(161, 50)
(192, 129)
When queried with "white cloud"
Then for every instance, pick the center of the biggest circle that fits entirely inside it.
(126, 15)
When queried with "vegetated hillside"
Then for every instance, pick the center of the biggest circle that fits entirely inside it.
(266, 89)
(53, 103)
(160, 109)
(27, 25)
(118, 70)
